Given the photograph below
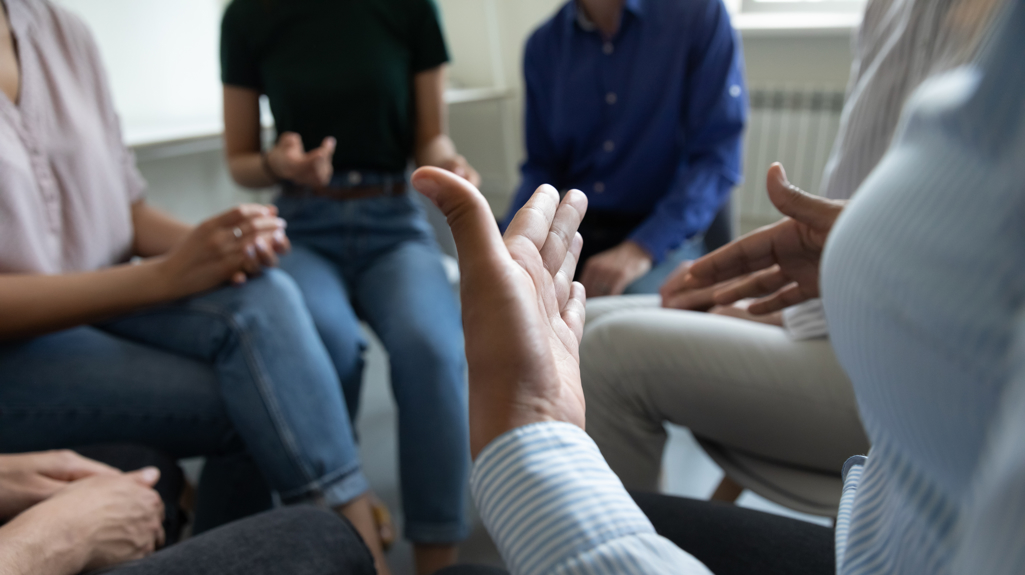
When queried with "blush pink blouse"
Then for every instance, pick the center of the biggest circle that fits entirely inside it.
(67, 182)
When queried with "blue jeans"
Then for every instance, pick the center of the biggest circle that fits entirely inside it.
(650, 282)
(376, 259)
(232, 370)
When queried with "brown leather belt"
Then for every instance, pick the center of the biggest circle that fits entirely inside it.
(353, 193)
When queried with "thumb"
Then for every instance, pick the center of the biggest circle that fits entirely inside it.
(469, 216)
(147, 476)
(327, 147)
(813, 211)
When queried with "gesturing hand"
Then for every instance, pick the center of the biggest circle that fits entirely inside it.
(28, 478)
(611, 271)
(522, 314)
(459, 166)
(783, 258)
(289, 160)
(225, 248)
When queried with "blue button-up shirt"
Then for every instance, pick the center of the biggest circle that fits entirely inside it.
(648, 122)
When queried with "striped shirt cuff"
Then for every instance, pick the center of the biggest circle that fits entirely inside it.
(806, 320)
(852, 470)
(552, 505)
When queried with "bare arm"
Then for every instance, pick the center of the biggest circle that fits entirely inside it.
(225, 248)
(433, 146)
(155, 232)
(287, 160)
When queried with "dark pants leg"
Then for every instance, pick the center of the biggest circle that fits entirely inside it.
(297, 540)
(732, 540)
(472, 570)
(128, 457)
(729, 540)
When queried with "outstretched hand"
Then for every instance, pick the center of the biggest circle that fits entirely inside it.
(523, 316)
(782, 259)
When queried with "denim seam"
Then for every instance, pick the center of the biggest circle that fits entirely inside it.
(287, 436)
(288, 439)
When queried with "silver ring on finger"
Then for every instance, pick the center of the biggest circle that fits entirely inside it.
(238, 232)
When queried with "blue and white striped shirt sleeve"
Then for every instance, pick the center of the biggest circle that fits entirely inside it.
(553, 506)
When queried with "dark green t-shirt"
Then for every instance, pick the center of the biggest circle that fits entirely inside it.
(341, 68)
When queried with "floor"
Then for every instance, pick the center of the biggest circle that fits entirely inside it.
(688, 471)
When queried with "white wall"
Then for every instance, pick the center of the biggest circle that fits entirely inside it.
(197, 185)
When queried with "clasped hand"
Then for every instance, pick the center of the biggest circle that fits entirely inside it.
(230, 247)
(87, 514)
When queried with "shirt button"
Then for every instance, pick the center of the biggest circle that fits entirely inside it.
(355, 178)
(599, 187)
(610, 98)
(609, 145)
(608, 48)
(735, 91)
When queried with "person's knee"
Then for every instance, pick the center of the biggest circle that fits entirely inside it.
(269, 301)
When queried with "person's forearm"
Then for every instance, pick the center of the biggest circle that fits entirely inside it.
(248, 170)
(435, 151)
(27, 549)
(155, 232)
(37, 304)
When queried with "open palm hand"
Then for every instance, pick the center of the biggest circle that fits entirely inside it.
(523, 317)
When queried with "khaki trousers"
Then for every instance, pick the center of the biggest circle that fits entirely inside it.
(745, 387)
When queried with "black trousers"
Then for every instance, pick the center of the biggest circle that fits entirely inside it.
(299, 540)
(729, 540)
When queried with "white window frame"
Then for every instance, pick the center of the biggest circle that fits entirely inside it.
(802, 6)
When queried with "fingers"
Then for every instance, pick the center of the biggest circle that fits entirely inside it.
(238, 215)
(816, 212)
(564, 277)
(751, 252)
(756, 285)
(563, 231)
(147, 476)
(574, 312)
(534, 220)
(474, 230)
(784, 298)
(66, 465)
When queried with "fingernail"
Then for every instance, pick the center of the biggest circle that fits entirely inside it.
(251, 251)
(427, 186)
(150, 474)
(279, 236)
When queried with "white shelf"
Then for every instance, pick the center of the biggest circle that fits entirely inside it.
(183, 136)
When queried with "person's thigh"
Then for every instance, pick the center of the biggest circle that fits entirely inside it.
(298, 540)
(327, 298)
(731, 540)
(738, 383)
(407, 300)
(599, 307)
(83, 386)
(275, 378)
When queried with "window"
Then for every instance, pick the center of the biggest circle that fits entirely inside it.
(806, 6)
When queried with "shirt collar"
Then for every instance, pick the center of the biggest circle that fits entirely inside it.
(635, 7)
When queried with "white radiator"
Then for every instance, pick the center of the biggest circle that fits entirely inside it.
(794, 125)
